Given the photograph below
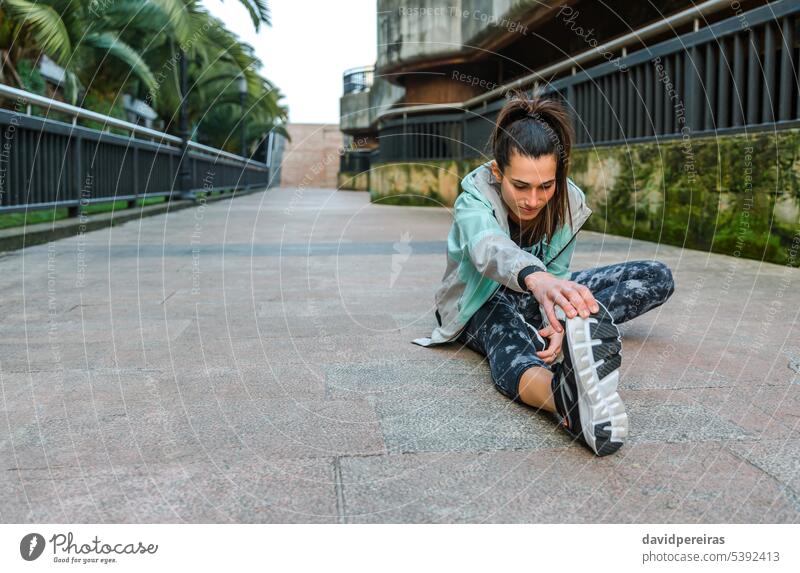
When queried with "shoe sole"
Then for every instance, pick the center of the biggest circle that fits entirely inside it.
(594, 350)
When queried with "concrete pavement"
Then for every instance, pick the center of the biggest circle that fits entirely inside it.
(250, 361)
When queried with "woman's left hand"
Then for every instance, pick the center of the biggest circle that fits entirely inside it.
(553, 349)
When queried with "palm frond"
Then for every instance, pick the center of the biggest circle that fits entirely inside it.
(259, 12)
(45, 24)
(122, 52)
(178, 15)
(137, 17)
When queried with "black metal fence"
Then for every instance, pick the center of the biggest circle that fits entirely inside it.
(740, 73)
(355, 161)
(46, 163)
(440, 136)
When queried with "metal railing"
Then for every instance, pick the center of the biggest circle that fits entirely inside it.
(438, 136)
(46, 163)
(358, 79)
(740, 73)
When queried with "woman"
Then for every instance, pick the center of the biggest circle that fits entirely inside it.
(549, 334)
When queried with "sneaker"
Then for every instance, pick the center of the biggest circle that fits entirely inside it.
(585, 382)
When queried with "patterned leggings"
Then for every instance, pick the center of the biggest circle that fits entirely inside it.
(505, 328)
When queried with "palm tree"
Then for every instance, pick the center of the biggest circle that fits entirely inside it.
(135, 45)
(216, 60)
(90, 52)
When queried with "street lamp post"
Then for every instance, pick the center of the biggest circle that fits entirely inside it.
(243, 100)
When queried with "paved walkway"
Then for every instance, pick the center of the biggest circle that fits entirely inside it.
(250, 361)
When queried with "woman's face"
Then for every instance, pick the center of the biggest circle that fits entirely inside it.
(527, 185)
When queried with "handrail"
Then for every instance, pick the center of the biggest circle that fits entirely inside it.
(223, 153)
(359, 69)
(708, 7)
(83, 113)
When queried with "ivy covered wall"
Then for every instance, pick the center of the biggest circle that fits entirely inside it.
(736, 195)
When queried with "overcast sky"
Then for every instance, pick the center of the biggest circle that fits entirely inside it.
(307, 48)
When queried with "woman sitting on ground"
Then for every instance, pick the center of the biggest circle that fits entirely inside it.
(550, 335)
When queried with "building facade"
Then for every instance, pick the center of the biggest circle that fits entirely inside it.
(687, 114)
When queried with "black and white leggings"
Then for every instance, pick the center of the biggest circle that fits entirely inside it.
(505, 328)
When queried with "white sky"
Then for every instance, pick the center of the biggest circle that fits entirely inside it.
(308, 46)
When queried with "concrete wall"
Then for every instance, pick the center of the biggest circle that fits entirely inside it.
(414, 29)
(434, 183)
(409, 30)
(311, 159)
(354, 112)
(350, 181)
(383, 95)
(736, 195)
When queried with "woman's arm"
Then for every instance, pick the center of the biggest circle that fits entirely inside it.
(491, 251)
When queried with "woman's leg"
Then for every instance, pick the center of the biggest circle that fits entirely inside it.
(501, 332)
(536, 388)
(628, 289)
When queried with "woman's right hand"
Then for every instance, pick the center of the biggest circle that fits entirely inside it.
(573, 298)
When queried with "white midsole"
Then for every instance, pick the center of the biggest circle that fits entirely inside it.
(598, 400)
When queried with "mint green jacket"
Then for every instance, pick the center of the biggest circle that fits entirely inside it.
(481, 255)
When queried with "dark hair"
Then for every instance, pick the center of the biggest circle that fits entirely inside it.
(536, 127)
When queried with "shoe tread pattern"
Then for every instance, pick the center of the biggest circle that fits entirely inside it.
(610, 349)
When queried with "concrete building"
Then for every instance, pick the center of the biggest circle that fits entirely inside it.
(680, 108)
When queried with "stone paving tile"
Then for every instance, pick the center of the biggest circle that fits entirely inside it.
(767, 411)
(106, 387)
(230, 486)
(705, 414)
(98, 436)
(321, 324)
(125, 353)
(656, 363)
(250, 381)
(91, 332)
(483, 420)
(672, 416)
(313, 350)
(742, 363)
(292, 428)
(395, 380)
(634, 377)
(674, 483)
(778, 458)
(112, 387)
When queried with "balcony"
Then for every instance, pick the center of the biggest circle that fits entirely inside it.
(354, 105)
(357, 80)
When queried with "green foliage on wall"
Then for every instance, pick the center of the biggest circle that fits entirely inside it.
(736, 195)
